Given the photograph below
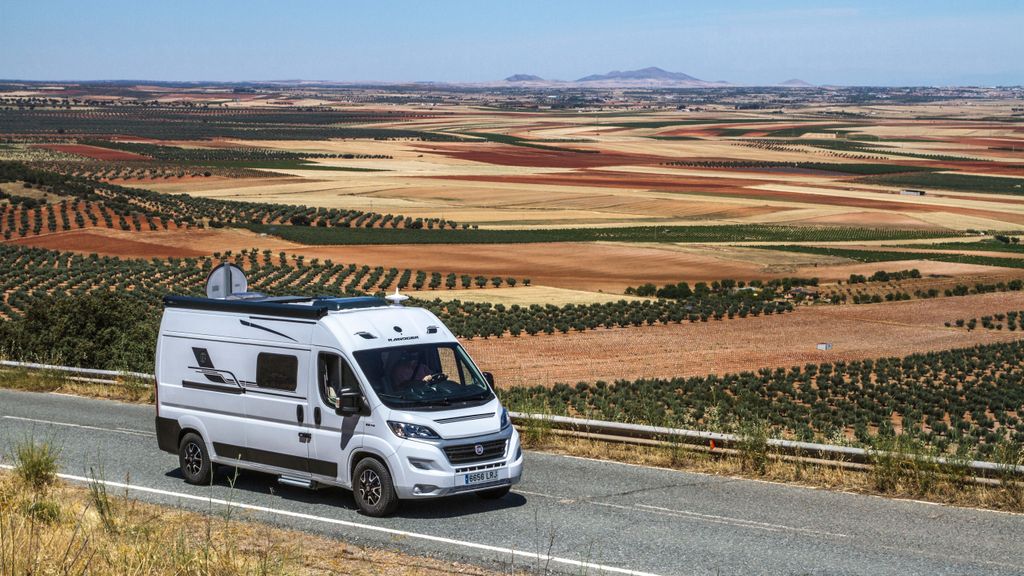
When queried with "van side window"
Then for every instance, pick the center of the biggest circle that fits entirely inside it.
(334, 375)
(451, 366)
(277, 371)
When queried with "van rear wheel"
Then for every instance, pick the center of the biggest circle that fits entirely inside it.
(194, 459)
(373, 489)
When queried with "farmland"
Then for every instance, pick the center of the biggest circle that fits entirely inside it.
(556, 232)
(965, 399)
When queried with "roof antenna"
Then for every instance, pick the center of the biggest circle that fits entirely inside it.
(396, 299)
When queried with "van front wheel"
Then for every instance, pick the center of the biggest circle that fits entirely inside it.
(194, 459)
(373, 489)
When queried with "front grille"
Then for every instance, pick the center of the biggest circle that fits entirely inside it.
(479, 467)
(466, 453)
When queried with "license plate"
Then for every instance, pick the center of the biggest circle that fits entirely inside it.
(480, 477)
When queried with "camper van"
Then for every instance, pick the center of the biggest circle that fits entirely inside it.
(360, 393)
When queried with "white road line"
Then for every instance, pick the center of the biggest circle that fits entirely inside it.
(781, 484)
(302, 516)
(752, 523)
(737, 522)
(82, 426)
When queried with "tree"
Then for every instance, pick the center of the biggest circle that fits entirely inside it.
(100, 330)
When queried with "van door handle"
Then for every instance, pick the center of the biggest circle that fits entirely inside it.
(316, 415)
(305, 437)
(299, 414)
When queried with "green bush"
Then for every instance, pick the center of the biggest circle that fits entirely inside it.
(96, 330)
(35, 463)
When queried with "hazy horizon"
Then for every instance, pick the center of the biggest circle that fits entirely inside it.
(869, 43)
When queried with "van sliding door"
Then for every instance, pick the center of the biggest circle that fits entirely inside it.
(277, 424)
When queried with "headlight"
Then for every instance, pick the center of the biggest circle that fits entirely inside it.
(505, 421)
(413, 431)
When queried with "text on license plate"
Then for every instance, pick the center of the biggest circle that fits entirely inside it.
(478, 477)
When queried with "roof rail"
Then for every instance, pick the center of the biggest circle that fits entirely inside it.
(283, 306)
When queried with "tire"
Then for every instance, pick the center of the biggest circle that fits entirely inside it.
(373, 488)
(194, 459)
(494, 493)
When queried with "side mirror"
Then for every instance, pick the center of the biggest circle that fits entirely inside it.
(350, 402)
(490, 378)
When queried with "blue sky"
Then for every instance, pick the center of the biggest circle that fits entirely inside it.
(867, 42)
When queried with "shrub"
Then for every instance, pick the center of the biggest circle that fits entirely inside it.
(35, 463)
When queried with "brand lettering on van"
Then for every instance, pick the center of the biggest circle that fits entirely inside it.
(403, 338)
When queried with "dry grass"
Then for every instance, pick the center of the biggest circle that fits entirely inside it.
(125, 390)
(64, 529)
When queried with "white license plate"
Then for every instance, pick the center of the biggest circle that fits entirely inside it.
(480, 477)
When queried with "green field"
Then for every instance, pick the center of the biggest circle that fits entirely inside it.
(517, 141)
(956, 182)
(884, 256)
(980, 246)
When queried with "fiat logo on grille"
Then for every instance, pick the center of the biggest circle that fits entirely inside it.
(479, 449)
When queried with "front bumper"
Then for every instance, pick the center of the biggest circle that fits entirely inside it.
(420, 470)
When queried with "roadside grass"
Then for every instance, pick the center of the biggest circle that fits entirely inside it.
(58, 528)
(124, 389)
(754, 459)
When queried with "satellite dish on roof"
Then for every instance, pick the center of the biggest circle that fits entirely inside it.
(225, 280)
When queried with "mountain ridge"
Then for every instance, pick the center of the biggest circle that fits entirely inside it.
(649, 73)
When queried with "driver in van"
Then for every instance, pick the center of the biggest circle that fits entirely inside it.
(409, 370)
(329, 386)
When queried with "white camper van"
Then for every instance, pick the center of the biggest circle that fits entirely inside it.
(351, 392)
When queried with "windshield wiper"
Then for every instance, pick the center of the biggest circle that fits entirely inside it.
(471, 397)
(401, 397)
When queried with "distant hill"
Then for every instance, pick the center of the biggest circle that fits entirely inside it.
(796, 83)
(651, 73)
(524, 78)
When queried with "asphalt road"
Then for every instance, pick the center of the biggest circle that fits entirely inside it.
(613, 517)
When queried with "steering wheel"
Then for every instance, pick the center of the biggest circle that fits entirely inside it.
(435, 378)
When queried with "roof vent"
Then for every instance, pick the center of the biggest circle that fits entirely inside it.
(431, 329)
(396, 299)
(366, 335)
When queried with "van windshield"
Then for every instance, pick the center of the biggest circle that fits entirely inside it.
(424, 376)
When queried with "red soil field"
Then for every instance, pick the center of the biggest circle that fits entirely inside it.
(94, 152)
(508, 155)
(146, 244)
(697, 349)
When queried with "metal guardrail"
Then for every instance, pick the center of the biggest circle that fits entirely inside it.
(640, 433)
(112, 375)
(829, 452)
